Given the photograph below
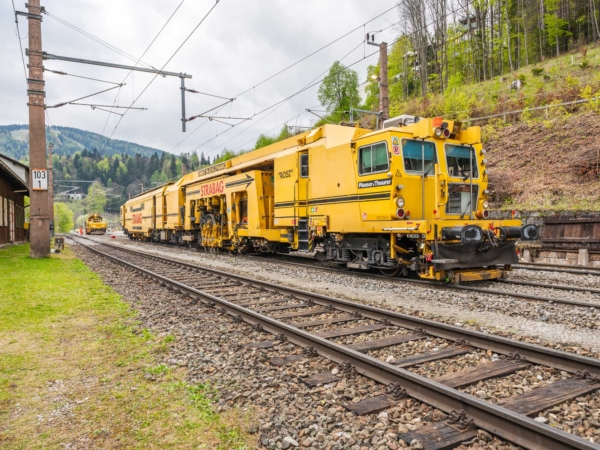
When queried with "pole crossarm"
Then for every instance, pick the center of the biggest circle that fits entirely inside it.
(220, 121)
(320, 117)
(58, 105)
(49, 56)
(106, 106)
(193, 91)
(106, 110)
(207, 111)
(224, 117)
(29, 15)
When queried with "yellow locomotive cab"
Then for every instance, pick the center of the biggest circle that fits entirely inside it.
(409, 198)
(95, 224)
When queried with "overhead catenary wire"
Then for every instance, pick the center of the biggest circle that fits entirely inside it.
(164, 65)
(450, 11)
(266, 115)
(253, 88)
(94, 38)
(292, 96)
(136, 63)
(19, 38)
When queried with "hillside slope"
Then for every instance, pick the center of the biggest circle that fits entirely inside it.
(546, 165)
(14, 142)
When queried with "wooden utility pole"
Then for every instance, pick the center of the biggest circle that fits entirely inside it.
(384, 107)
(38, 179)
(51, 190)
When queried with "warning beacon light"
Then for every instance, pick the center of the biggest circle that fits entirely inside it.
(440, 128)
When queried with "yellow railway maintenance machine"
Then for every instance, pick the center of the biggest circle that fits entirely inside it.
(411, 197)
(95, 224)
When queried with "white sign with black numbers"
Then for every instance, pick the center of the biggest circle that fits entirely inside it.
(39, 179)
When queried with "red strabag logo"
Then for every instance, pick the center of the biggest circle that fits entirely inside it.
(214, 188)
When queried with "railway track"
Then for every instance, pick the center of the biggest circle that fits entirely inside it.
(437, 285)
(290, 314)
(482, 290)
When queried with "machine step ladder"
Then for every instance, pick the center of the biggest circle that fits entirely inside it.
(303, 235)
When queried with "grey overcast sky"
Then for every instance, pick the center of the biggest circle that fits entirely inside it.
(241, 43)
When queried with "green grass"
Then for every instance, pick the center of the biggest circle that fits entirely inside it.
(59, 321)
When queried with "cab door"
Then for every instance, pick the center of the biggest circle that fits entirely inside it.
(302, 208)
(419, 159)
(302, 197)
(153, 212)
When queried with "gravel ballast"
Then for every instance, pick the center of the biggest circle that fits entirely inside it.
(559, 324)
(288, 413)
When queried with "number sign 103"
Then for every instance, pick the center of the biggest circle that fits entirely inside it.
(39, 178)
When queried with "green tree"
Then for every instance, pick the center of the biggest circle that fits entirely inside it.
(264, 139)
(63, 218)
(339, 90)
(96, 198)
(80, 221)
(556, 28)
(194, 161)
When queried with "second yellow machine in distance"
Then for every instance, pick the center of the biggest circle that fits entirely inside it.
(411, 197)
(95, 224)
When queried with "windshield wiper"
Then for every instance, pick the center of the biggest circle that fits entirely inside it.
(428, 170)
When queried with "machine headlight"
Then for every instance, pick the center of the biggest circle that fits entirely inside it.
(399, 202)
(485, 204)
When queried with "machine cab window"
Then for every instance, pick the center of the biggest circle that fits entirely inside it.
(304, 165)
(373, 159)
(460, 161)
(419, 156)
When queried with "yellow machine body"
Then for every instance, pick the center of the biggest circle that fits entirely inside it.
(399, 199)
(145, 213)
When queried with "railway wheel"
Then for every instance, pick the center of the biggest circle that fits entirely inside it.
(343, 266)
(390, 272)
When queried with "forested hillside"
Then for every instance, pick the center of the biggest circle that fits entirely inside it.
(14, 141)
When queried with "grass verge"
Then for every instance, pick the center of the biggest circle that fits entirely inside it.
(76, 371)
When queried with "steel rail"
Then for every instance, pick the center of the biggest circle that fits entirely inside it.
(502, 422)
(559, 268)
(437, 285)
(565, 266)
(562, 287)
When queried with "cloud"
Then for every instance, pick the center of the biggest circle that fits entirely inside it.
(241, 43)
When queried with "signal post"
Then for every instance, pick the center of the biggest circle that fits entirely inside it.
(38, 179)
(384, 107)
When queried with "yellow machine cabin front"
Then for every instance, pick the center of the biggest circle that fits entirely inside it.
(95, 224)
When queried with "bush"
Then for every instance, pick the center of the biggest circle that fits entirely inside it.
(537, 71)
(585, 64)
